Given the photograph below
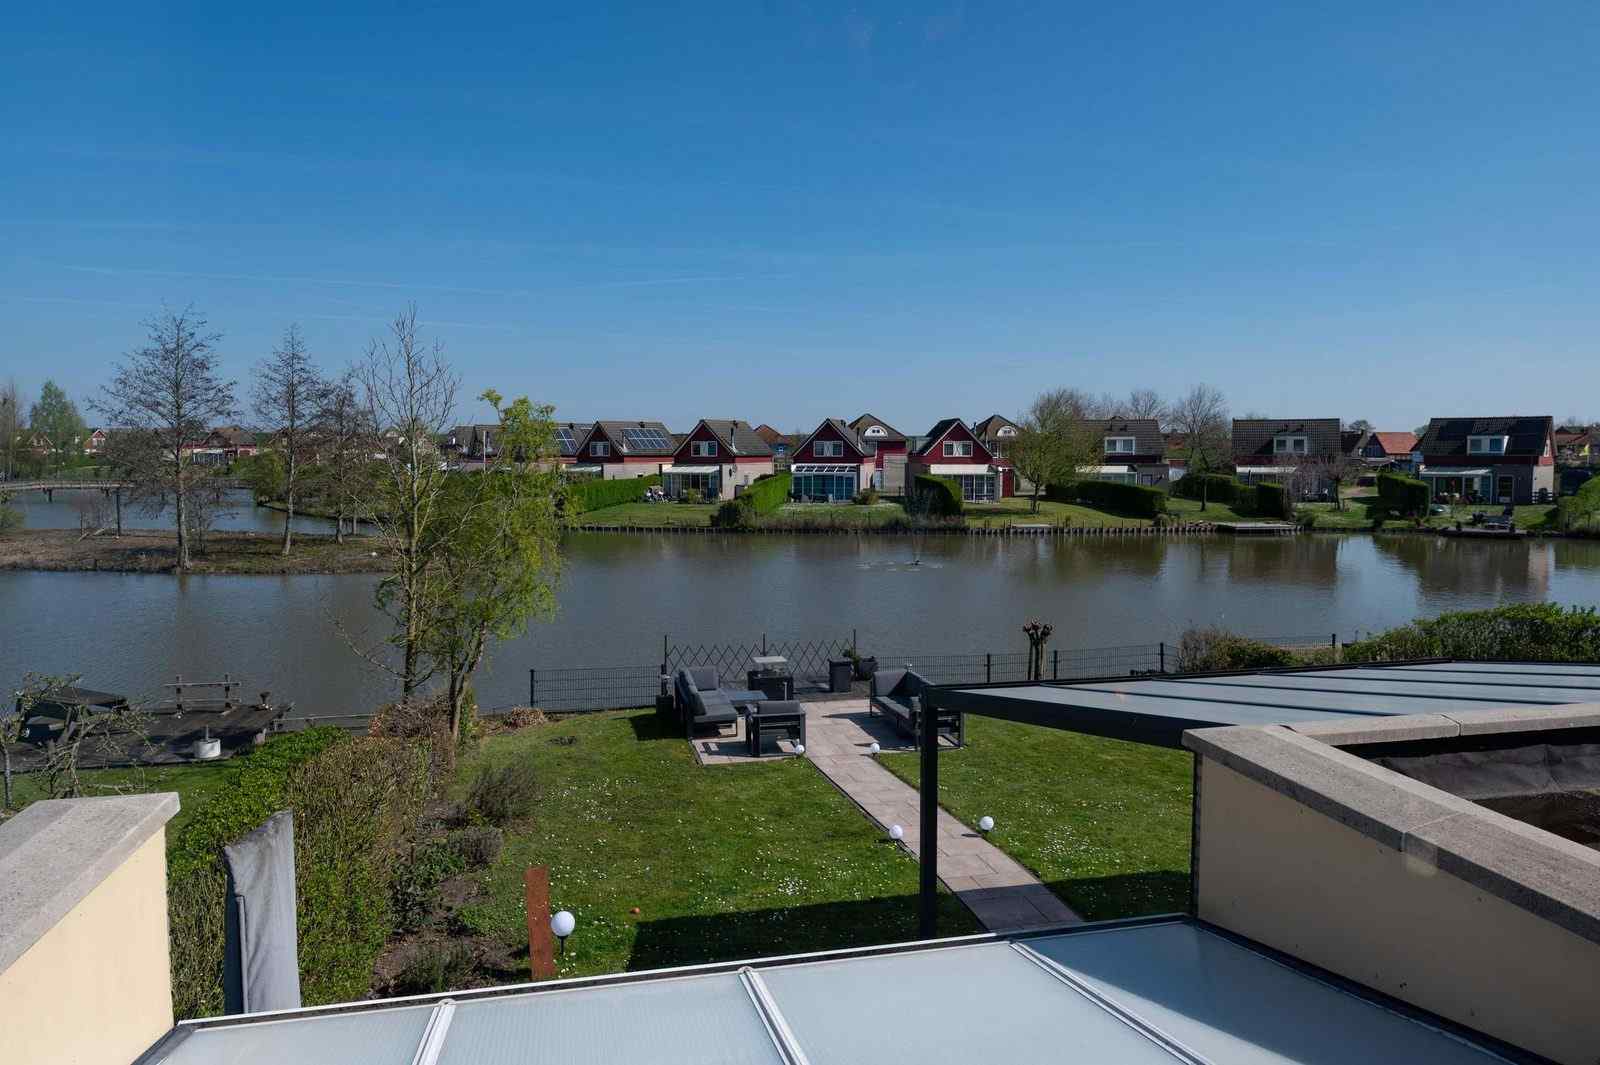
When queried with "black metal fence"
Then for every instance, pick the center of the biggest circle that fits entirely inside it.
(568, 689)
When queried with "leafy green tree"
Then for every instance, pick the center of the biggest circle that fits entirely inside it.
(57, 417)
(1053, 443)
(264, 473)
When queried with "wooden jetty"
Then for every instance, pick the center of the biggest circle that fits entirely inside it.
(1256, 528)
(1484, 532)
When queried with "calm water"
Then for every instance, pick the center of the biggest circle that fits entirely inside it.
(71, 510)
(621, 593)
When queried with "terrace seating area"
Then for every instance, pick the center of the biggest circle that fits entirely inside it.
(898, 695)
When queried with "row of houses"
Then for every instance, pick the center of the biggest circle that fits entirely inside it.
(221, 446)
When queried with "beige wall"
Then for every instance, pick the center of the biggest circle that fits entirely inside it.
(627, 471)
(744, 475)
(1291, 878)
(96, 988)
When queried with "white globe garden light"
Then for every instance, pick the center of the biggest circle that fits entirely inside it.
(799, 748)
(986, 823)
(562, 923)
(897, 833)
(873, 747)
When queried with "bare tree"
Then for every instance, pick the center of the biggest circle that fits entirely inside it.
(1147, 403)
(287, 391)
(166, 395)
(345, 443)
(410, 394)
(1360, 425)
(1201, 415)
(11, 407)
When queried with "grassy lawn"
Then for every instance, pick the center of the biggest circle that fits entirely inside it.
(1189, 510)
(835, 515)
(653, 514)
(1104, 823)
(1018, 510)
(195, 784)
(721, 863)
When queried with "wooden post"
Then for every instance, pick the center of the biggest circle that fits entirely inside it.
(541, 941)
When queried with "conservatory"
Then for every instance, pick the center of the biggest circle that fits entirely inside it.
(825, 482)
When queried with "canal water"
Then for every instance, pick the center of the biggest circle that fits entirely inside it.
(902, 595)
(76, 509)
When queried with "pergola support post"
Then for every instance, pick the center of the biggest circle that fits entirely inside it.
(928, 838)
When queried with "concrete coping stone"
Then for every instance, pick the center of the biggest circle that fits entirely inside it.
(55, 852)
(1538, 871)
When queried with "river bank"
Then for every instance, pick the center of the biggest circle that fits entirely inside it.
(153, 551)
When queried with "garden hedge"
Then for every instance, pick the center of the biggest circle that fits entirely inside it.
(940, 495)
(594, 494)
(768, 493)
(1219, 487)
(355, 802)
(1405, 496)
(1581, 510)
(1542, 632)
(1272, 501)
(1133, 499)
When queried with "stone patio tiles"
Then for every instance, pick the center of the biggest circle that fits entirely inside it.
(1002, 894)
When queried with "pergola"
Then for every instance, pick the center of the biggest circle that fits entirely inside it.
(1158, 709)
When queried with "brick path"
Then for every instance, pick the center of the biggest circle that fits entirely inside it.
(1001, 893)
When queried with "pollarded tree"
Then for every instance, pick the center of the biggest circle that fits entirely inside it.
(288, 389)
(165, 395)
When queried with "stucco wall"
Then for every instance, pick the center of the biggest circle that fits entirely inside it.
(1287, 876)
(96, 988)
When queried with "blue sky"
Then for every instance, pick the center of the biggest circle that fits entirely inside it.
(786, 211)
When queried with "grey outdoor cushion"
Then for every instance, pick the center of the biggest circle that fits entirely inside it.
(885, 681)
(704, 677)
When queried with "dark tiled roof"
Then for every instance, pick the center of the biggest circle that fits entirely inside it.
(1146, 433)
(1353, 440)
(1448, 436)
(847, 434)
(989, 428)
(737, 436)
(940, 427)
(891, 435)
(614, 432)
(1252, 437)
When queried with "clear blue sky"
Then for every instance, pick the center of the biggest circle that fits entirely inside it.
(784, 211)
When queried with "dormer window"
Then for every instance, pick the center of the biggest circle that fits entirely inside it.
(1486, 445)
(1006, 430)
(875, 431)
(1290, 445)
(600, 449)
(958, 449)
(703, 449)
(1119, 445)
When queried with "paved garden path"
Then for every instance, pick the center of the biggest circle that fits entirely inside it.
(1001, 893)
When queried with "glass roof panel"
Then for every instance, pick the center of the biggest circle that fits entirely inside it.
(704, 1020)
(368, 1037)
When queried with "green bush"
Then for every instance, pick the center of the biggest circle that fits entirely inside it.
(1402, 496)
(1218, 487)
(502, 793)
(1542, 632)
(435, 968)
(1272, 501)
(1209, 649)
(866, 497)
(479, 845)
(1133, 499)
(10, 519)
(584, 496)
(355, 802)
(733, 514)
(1581, 510)
(938, 496)
(414, 890)
(768, 493)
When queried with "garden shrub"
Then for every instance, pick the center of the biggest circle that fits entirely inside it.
(767, 493)
(1402, 496)
(10, 519)
(355, 803)
(1540, 632)
(1137, 500)
(1580, 510)
(866, 497)
(478, 845)
(1272, 501)
(436, 967)
(1218, 487)
(415, 887)
(733, 514)
(939, 496)
(584, 496)
(502, 793)
(1209, 649)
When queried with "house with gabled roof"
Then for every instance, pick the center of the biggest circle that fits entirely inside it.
(1493, 460)
(996, 431)
(1132, 451)
(616, 450)
(1389, 450)
(888, 446)
(832, 464)
(1578, 445)
(951, 449)
(717, 459)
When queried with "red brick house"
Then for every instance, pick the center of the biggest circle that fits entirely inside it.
(618, 450)
(888, 446)
(1492, 460)
(832, 464)
(953, 450)
(718, 459)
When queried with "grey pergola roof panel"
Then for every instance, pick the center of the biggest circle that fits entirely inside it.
(368, 1037)
(1159, 709)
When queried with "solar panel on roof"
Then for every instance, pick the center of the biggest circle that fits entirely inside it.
(565, 438)
(646, 439)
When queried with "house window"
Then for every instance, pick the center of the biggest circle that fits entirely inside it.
(703, 449)
(828, 449)
(1006, 430)
(978, 487)
(1486, 445)
(1290, 445)
(876, 430)
(1119, 445)
(600, 449)
(958, 449)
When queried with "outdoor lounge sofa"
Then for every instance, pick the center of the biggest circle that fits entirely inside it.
(702, 703)
(900, 696)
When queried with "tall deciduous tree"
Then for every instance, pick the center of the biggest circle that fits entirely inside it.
(495, 549)
(1201, 415)
(410, 394)
(1053, 443)
(11, 404)
(57, 418)
(164, 395)
(1146, 403)
(288, 389)
(346, 442)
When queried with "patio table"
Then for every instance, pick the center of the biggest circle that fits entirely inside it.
(778, 718)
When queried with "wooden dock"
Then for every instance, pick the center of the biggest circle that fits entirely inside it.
(1469, 532)
(1256, 528)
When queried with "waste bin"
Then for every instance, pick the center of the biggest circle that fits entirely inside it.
(839, 673)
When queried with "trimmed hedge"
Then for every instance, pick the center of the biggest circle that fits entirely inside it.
(941, 495)
(1406, 496)
(354, 801)
(1272, 501)
(767, 493)
(1219, 487)
(584, 496)
(1542, 632)
(1137, 500)
(1210, 649)
(1581, 509)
